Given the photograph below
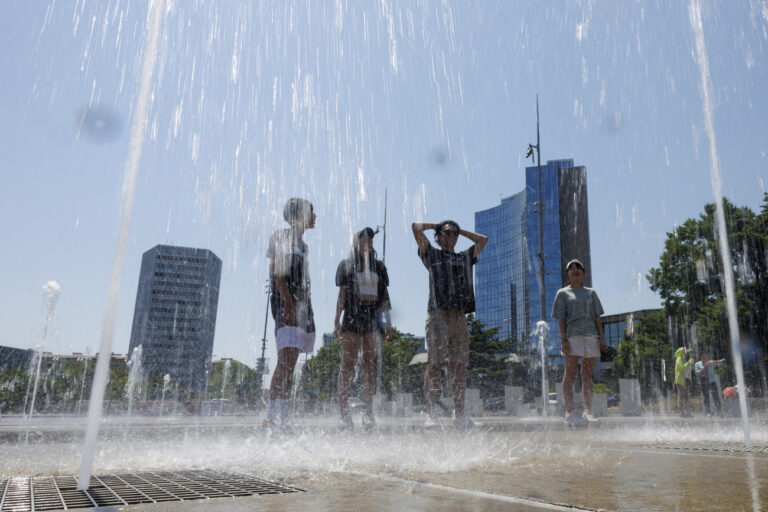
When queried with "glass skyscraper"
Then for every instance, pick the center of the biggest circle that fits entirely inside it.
(501, 273)
(507, 280)
(175, 315)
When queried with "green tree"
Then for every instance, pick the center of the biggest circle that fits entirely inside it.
(396, 373)
(487, 369)
(690, 281)
(641, 353)
(13, 389)
(242, 386)
(118, 378)
(319, 375)
(154, 384)
(62, 384)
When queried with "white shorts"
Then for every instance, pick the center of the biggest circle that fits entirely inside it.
(294, 337)
(584, 346)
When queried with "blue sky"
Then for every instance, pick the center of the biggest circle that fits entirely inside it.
(254, 102)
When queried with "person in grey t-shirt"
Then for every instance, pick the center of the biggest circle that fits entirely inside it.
(578, 310)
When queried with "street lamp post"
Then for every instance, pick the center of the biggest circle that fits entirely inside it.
(379, 352)
(542, 295)
(262, 360)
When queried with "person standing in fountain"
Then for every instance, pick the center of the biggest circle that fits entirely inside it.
(681, 365)
(705, 370)
(451, 296)
(363, 296)
(578, 310)
(291, 305)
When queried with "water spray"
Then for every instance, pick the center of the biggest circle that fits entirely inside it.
(138, 128)
(51, 292)
(720, 226)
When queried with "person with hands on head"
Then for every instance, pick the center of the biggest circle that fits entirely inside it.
(364, 299)
(682, 367)
(578, 311)
(451, 297)
(291, 305)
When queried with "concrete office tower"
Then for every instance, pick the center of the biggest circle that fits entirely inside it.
(175, 315)
(506, 280)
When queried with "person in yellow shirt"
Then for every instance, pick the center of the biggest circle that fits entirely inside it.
(683, 393)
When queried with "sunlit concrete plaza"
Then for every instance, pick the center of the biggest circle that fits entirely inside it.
(627, 463)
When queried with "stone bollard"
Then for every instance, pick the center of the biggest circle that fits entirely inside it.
(513, 401)
(600, 404)
(404, 404)
(629, 395)
(472, 403)
(381, 406)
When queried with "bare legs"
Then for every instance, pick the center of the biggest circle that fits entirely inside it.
(433, 385)
(458, 386)
(571, 368)
(370, 349)
(569, 376)
(282, 379)
(349, 346)
(587, 370)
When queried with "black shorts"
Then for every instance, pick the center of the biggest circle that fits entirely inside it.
(361, 321)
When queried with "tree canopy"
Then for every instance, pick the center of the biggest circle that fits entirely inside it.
(487, 370)
(690, 281)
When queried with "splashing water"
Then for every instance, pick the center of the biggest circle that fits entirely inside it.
(720, 231)
(135, 376)
(138, 130)
(225, 376)
(269, 173)
(541, 332)
(82, 379)
(166, 381)
(51, 293)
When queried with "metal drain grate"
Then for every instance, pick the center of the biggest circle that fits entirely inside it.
(717, 446)
(60, 492)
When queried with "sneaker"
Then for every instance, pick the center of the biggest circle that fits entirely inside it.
(346, 422)
(464, 423)
(369, 422)
(574, 419)
(591, 418)
(431, 421)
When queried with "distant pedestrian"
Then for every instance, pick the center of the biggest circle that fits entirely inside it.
(683, 387)
(364, 299)
(705, 371)
(289, 286)
(451, 297)
(578, 311)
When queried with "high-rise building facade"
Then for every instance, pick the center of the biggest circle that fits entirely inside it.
(501, 273)
(506, 276)
(175, 315)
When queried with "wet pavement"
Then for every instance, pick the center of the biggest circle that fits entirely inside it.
(641, 463)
